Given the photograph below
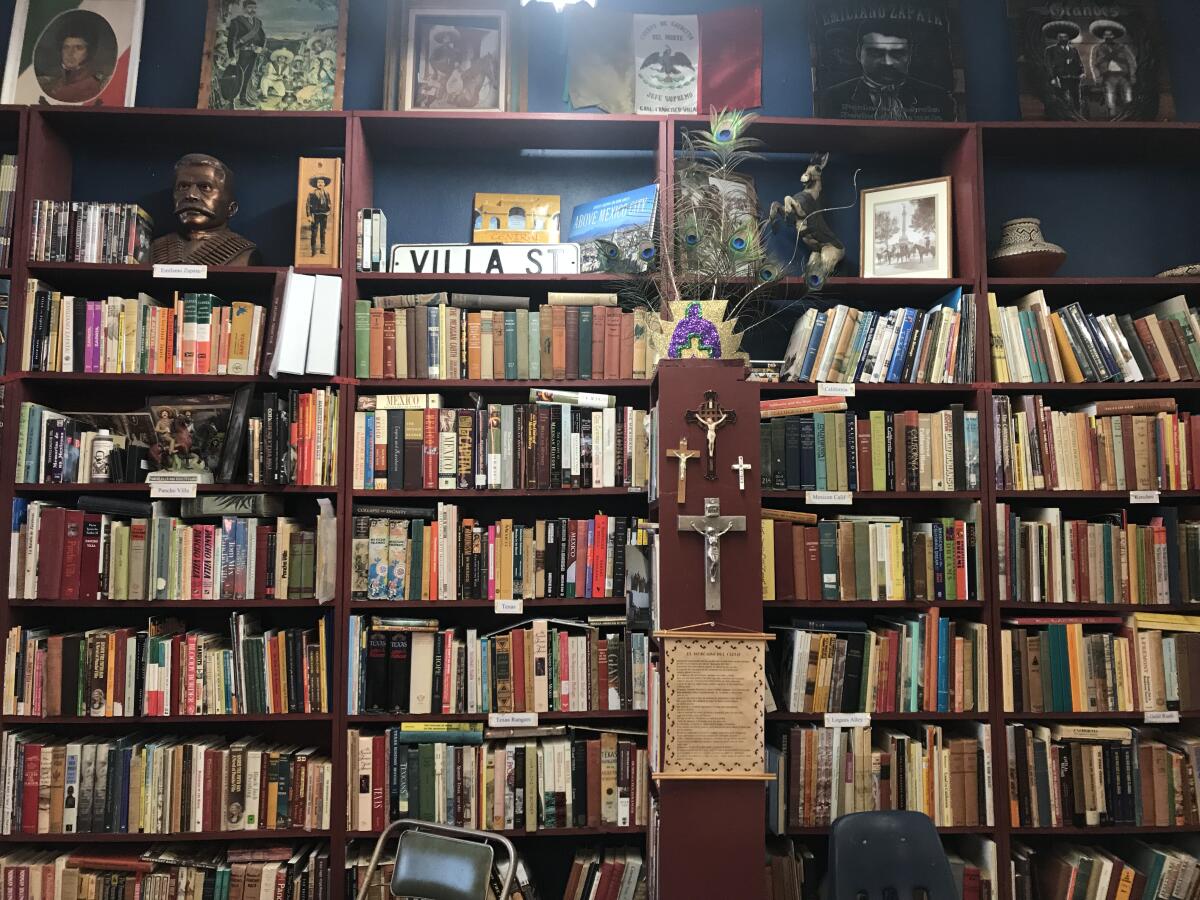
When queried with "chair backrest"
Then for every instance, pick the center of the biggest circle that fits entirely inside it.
(436, 867)
(890, 854)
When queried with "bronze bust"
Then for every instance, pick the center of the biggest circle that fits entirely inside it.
(204, 204)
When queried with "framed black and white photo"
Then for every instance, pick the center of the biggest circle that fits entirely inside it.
(891, 59)
(906, 230)
(456, 59)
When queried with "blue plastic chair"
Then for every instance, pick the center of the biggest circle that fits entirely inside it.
(890, 855)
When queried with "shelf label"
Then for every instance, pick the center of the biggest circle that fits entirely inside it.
(1162, 717)
(833, 389)
(513, 720)
(510, 607)
(178, 270)
(847, 720)
(829, 498)
(1143, 496)
(172, 490)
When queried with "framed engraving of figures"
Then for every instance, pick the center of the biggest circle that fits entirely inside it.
(74, 53)
(892, 59)
(274, 54)
(1090, 62)
(906, 230)
(456, 59)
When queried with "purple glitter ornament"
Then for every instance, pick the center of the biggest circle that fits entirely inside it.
(694, 325)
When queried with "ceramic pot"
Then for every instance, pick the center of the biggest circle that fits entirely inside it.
(1023, 252)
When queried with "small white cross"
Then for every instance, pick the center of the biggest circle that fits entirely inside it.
(741, 466)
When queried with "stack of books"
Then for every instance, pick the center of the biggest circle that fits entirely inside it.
(196, 334)
(922, 663)
(549, 665)
(559, 439)
(86, 232)
(64, 554)
(167, 670)
(880, 558)
(1109, 445)
(423, 554)
(294, 439)
(196, 784)
(1043, 558)
(475, 336)
(1089, 776)
(1032, 344)
(831, 772)
(905, 345)
(811, 443)
(1053, 665)
(525, 780)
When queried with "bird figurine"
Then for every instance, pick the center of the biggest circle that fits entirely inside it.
(668, 61)
(805, 212)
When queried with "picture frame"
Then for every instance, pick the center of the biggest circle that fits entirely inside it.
(455, 60)
(906, 230)
(274, 55)
(74, 54)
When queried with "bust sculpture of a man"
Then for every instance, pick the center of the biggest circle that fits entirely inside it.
(204, 204)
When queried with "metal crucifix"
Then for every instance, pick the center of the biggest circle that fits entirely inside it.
(711, 526)
(711, 416)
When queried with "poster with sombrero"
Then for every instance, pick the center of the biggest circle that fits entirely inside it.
(74, 53)
(1091, 62)
(319, 212)
(274, 54)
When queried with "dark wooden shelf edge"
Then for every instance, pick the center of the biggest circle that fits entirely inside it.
(1097, 830)
(444, 605)
(173, 837)
(546, 717)
(1088, 495)
(880, 605)
(824, 830)
(142, 488)
(887, 717)
(1089, 716)
(359, 494)
(582, 831)
(1057, 608)
(434, 385)
(881, 495)
(39, 721)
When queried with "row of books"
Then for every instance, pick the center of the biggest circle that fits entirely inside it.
(553, 342)
(905, 345)
(58, 448)
(358, 862)
(921, 663)
(8, 206)
(1107, 558)
(162, 871)
(544, 665)
(537, 445)
(371, 245)
(609, 872)
(830, 772)
(90, 232)
(1131, 869)
(1110, 445)
(57, 553)
(1053, 665)
(881, 558)
(196, 334)
(167, 670)
(1168, 661)
(1101, 775)
(144, 784)
(294, 439)
(882, 451)
(535, 779)
(437, 555)
(1032, 344)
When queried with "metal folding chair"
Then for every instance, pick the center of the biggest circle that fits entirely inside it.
(441, 862)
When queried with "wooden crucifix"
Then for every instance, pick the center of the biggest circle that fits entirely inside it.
(711, 416)
(683, 455)
(711, 526)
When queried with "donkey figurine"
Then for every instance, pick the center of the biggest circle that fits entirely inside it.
(805, 212)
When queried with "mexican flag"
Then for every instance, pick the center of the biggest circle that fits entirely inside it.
(46, 62)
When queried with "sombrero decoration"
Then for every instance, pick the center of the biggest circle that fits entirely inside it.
(1060, 26)
(325, 178)
(1100, 26)
(283, 53)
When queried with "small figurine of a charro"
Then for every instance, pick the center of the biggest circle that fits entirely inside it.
(204, 204)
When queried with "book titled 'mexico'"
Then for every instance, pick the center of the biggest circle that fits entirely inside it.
(616, 233)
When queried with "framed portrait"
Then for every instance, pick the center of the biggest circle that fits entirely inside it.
(1091, 63)
(906, 230)
(897, 60)
(74, 53)
(456, 59)
(274, 54)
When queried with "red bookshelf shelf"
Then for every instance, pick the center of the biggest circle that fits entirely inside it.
(823, 830)
(768, 496)
(553, 492)
(144, 605)
(582, 831)
(387, 131)
(1096, 387)
(28, 488)
(543, 718)
(1095, 830)
(1090, 495)
(1055, 609)
(175, 381)
(821, 606)
(434, 385)
(863, 388)
(783, 134)
(886, 717)
(292, 834)
(38, 721)
(438, 606)
(1089, 716)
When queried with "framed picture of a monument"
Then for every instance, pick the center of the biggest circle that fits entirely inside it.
(890, 59)
(1090, 62)
(906, 230)
(74, 53)
(274, 54)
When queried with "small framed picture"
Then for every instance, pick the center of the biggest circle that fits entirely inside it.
(456, 59)
(906, 230)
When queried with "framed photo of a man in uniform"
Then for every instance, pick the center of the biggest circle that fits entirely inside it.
(74, 53)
